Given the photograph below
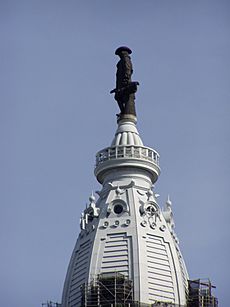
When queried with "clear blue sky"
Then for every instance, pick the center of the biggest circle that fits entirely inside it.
(57, 66)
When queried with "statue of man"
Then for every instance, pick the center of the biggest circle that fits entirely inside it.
(125, 88)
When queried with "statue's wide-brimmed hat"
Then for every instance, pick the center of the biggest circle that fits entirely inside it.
(121, 49)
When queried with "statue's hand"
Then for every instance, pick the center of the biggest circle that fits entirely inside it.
(113, 91)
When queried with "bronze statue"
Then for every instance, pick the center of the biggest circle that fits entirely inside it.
(125, 88)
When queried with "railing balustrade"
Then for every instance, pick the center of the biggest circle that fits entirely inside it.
(128, 151)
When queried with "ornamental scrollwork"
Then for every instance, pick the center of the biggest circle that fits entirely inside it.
(150, 213)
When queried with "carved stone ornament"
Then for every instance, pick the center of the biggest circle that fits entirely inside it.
(150, 213)
(89, 213)
(119, 190)
(168, 215)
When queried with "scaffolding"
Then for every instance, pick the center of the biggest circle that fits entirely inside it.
(108, 289)
(51, 304)
(113, 290)
(116, 290)
(200, 294)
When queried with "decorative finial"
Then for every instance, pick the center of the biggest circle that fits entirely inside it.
(168, 201)
(168, 215)
(125, 88)
(92, 198)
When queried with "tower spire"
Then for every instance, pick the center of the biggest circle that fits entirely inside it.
(125, 243)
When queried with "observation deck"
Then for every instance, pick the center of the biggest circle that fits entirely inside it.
(127, 156)
(127, 150)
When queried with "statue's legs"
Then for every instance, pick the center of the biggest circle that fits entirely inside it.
(130, 105)
(121, 106)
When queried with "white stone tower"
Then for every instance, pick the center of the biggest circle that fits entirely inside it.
(125, 231)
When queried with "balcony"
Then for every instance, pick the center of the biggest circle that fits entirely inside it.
(127, 152)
